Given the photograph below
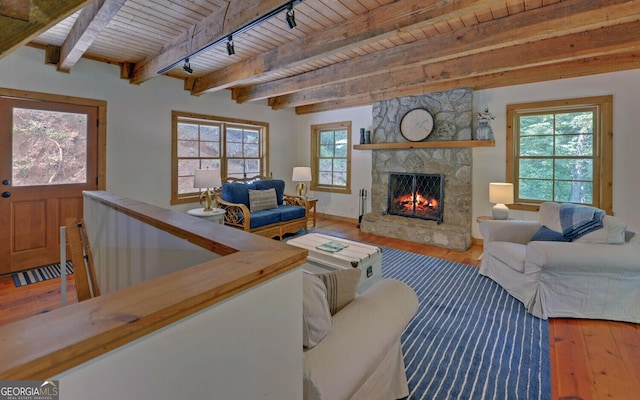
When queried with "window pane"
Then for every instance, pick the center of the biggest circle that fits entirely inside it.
(187, 131)
(234, 135)
(209, 149)
(536, 168)
(235, 166)
(209, 164)
(187, 167)
(234, 149)
(325, 164)
(326, 150)
(574, 145)
(185, 184)
(574, 169)
(187, 148)
(326, 137)
(210, 133)
(575, 122)
(251, 136)
(49, 147)
(574, 192)
(536, 146)
(251, 150)
(325, 178)
(340, 179)
(535, 189)
(340, 165)
(341, 150)
(252, 167)
(536, 125)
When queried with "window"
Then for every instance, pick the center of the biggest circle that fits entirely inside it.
(238, 148)
(561, 151)
(331, 157)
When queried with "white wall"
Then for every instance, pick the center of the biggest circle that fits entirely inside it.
(139, 130)
(334, 203)
(139, 119)
(489, 163)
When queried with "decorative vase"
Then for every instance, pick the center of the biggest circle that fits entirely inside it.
(484, 131)
(367, 137)
(362, 138)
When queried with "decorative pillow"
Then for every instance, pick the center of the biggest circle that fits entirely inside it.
(549, 216)
(316, 319)
(545, 234)
(612, 232)
(262, 200)
(341, 287)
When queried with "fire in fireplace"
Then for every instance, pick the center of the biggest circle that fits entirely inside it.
(416, 195)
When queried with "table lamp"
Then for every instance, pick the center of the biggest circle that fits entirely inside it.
(501, 194)
(301, 175)
(207, 179)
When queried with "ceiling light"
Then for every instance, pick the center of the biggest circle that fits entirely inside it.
(291, 16)
(187, 67)
(230, 49)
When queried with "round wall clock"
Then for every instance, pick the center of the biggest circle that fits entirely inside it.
(416, 125)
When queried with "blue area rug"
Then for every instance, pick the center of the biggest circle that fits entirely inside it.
(470, 339)
(40, 274)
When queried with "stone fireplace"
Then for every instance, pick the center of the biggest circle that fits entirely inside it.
(453, 116)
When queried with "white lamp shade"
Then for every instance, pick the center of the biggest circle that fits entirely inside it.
(207, 178)
(301, 174)
(501, 193)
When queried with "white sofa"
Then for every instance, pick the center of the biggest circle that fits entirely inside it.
(596, 276)
(361, 356)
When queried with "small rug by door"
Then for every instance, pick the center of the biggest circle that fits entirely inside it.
(40, 274)
(469, 339)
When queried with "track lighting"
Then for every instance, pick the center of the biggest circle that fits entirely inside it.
(230, 49)
(291, 16)
(187, 67)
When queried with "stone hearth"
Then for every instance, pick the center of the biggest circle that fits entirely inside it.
(453, 115)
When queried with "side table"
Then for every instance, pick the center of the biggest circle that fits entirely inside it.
(215, 215)
(312, 206)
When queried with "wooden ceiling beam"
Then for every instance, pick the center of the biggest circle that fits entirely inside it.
(609, 40)
(378, 24)
(554, 20)
(92, 20)
(214, 27)
(562, 70)
(19, 9)
(43, 15)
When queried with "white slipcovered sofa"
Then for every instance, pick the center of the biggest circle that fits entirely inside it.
(361, 357)
(596, 276)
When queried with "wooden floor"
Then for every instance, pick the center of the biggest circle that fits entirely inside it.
(589, 359)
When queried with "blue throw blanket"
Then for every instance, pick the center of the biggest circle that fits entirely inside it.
(578, 220)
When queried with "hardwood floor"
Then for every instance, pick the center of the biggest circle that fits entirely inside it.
(589, 359)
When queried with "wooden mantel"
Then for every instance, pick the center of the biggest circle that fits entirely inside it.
(426, 145)
(83, 331)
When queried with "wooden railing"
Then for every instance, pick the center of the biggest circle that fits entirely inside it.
(45, 345)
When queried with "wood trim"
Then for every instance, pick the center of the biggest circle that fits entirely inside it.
(82, 331)
(426, 145)
(315, 151)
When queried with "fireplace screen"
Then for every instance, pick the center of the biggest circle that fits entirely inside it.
(416, 195)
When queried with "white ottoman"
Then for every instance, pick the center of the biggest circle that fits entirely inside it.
(355, 255)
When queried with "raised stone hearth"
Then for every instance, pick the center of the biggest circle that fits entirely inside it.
(453, 115)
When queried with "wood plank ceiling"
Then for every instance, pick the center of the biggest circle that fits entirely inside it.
(342, 53)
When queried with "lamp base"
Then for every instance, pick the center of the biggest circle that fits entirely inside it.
(500, 211)
(209, 200)
(301, 189)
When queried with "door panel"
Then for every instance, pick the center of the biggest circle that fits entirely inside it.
(49, 156)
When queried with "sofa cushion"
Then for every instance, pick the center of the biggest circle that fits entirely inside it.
(341, 287)
(236, 192)
(264, 217)
(612, 232)
(277, 184)
(511, 254)
(289, 213)
(262, 200)
(316, 318)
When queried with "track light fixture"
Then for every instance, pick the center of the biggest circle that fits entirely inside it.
(291, 16)
(187, 66)
(230, 49)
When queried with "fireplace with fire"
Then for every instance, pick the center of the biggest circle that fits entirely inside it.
(416, 195)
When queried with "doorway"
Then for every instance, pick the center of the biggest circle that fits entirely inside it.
(52, 149)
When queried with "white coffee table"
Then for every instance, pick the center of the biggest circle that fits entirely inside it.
(215, 215)
(356, 255)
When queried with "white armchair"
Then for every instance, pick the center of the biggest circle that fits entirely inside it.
(579, 279)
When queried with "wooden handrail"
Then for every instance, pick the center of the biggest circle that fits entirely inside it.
(47, 344)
